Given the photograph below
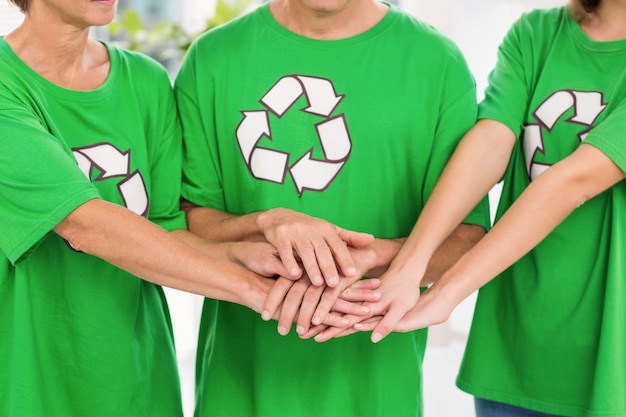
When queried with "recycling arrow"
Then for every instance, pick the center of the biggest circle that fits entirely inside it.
(307, 172)
(114, 163)
(587, 107)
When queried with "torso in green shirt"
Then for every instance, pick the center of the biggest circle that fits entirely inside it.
(79, 337)
(355, 131)
(549, 333)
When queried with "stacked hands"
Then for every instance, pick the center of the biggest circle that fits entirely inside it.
(333, 282)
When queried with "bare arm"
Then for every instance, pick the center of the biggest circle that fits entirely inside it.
(547, 201)
(132, 243)
(476, 166)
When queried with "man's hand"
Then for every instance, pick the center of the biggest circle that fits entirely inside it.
(320, 246)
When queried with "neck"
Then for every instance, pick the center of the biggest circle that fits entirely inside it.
(61, 53)
(608, 23)
(350, 18)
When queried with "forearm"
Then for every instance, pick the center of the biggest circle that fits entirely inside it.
(460, 241)
(477, 165)
(221, 250)
(381, 254)
(132, 243)
(547, 201)
(220, 226)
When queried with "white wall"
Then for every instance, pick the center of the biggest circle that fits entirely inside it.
(10, 17)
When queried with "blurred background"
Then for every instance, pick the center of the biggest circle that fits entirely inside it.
(164, 29)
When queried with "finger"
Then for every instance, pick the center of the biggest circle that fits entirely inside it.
(336, 320)
(355, 239)
(309, 303)
(274, 267)
(333, 331)
(306, 252)
(275, 297)
(368, 324)
(357, 296)
(355, 309)
(330, 333)
(341, 255)
(346, 332)
(327, 261)
(291, 305)
(325, 304)
(362, 291)
(313, 331)
(368, 284)
(388, 322)
(285, 252)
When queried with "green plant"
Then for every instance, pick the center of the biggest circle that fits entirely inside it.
(166, 41)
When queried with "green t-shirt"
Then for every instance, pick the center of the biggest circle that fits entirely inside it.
(79, 337)
(355, 131)
(549, 334)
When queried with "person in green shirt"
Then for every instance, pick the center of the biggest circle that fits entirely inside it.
(90, 173)
(548, 335)
(305, 119)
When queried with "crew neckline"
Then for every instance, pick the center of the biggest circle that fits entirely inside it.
(587, 42)
(374, 31)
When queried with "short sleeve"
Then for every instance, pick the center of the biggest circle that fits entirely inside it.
(202, 180)
(40, 182)
(507, 95)
(609, 136)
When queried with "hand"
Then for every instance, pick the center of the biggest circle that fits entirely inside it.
(298, 300)
(434, 307)
(259, 257)
(312, 304)
(320, 246)
(400, 293)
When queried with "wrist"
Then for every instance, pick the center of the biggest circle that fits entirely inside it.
(254, 291)
(385, 250)
(265, 218)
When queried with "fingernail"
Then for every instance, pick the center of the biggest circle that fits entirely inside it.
(282, 330)
(377, 294)
(376, 337)
(358, 325)
(365, 309)
(344, 322)
(333, 280)
(317, 280)
(351, 271)
(294, 272)
(316, 320)
(266, 315)
(300, 329)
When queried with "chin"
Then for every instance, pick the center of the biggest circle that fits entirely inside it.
(102, 18)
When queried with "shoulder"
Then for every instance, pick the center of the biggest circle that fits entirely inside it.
(137, 64)
(541, 23)
(236, 31)
(421, 37)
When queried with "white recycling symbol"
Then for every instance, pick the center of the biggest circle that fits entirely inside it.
(114, 163)
(587, 107)
(307, 172)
